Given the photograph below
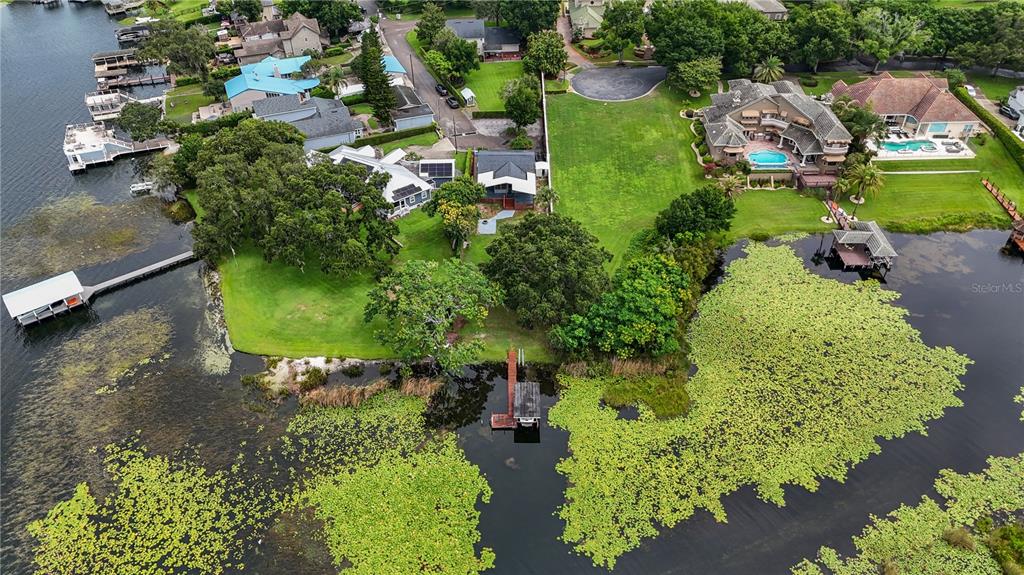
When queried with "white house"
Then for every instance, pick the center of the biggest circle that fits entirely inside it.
(510, 176)
(404, 190)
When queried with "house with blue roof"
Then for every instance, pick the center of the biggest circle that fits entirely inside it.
(267, 78)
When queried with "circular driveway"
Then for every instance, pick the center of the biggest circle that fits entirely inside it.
(617, 84)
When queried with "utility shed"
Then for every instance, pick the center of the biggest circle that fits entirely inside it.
(45, 299)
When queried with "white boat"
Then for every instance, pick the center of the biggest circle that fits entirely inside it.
(141, 188)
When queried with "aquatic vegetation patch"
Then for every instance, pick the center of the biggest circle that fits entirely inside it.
(392, 496)
(407, 514)
(164, 516)
(953, 537)
(798, 377)
(77, 232)
(113, 349)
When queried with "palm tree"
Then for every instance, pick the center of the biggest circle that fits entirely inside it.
(331, 77)
(867, 179)
(769, 70)
(547, 196)
(732, 185)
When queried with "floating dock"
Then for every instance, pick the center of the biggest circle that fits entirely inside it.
(65, 292)
(523, 399)
(107, 104)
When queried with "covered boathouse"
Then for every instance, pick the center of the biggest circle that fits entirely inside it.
(45, 299)
(863, 246)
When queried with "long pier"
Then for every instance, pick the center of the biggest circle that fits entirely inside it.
(1017, 236)
(89, 291)
(127, 82)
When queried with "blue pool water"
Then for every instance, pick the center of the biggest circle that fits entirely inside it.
(767, 159)
(915, 145)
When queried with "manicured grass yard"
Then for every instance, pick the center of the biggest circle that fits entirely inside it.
(183, 101)
(994, 87)
(761, 214)
(428, 139)
(487, 82)
(274, 309)
(616, 165)
(339, 60)
(827, 79)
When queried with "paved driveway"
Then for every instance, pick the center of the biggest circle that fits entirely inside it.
(615, 84)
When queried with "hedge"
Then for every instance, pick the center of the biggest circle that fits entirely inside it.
(809, 82)
(211, 127)
(1013, 144)
(444, 82)
(386, 137)
(489, 114)
(186, 81)
(225, 72)
(334, 51)
(354, 99)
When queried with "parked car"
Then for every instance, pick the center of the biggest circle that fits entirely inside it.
(452, 102)
(441, 90)
(1009, 112)
(970, 90)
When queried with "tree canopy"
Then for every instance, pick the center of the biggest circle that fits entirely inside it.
(623, 25)
(431, 22)
(255, 186)
(704, 211)
(186, 49)
(529, 16)
(250, 9)
(375, 79)
(638, 317)
(545, 54)
(885, 34)
(421, 302)
(821, 31)
(461, 54)
(140, 120)
(521, 97)
(334, 17)
(549, 266)
(696, 75)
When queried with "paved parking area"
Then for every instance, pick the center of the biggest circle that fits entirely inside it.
(615, 84)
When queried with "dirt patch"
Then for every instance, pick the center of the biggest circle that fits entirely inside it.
(78, 232)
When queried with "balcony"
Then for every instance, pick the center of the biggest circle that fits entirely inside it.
(837, 149)
(774, 122)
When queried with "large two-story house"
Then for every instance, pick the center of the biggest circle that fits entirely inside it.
(281, 38)
(740, 123)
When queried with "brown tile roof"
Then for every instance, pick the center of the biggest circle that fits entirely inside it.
(925, 98)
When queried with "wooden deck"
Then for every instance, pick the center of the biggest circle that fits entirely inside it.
(90, 291)
(523, 401)
(1011, 210)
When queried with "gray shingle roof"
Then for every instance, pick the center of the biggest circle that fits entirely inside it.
(804, 138)
(468, 29)
(495, 37)
(869, 234)
(515, 164)
(328, 116)
(728, 132)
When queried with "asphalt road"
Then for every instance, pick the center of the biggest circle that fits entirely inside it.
(447, 118)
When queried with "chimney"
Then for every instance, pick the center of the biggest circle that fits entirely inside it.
(277, 71)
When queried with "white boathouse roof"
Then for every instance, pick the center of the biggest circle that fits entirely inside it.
(42, 294)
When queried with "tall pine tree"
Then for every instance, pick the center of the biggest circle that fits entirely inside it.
(376, 83)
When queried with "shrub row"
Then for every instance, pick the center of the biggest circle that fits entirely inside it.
(1013, 144)
(478, 114)
(808, 81)
(334, 51)
(186, 81)
(386, 137)
(354, 99)
(211, 127)
(225, 72)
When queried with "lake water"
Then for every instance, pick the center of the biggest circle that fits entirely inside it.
(960, 290)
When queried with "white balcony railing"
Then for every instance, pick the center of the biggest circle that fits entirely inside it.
(774, 122)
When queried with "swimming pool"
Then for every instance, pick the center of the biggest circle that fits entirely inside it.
(768, 159)
(911, 145)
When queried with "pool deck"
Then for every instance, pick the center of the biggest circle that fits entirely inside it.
(939, 153)
(766, 146)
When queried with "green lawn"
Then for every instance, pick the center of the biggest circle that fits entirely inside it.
(827, 79)
(616, 165)
(183, 101)
(994, 87)
(920, 202)
(487, 82)
(965, 3)
(761, 214)
(449, 11)
(428, 139)
(274, 309)
(338, 60)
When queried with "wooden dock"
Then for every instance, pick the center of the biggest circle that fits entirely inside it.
(88, 292)
(1017, 237)
(523, 400)
(127, 82)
